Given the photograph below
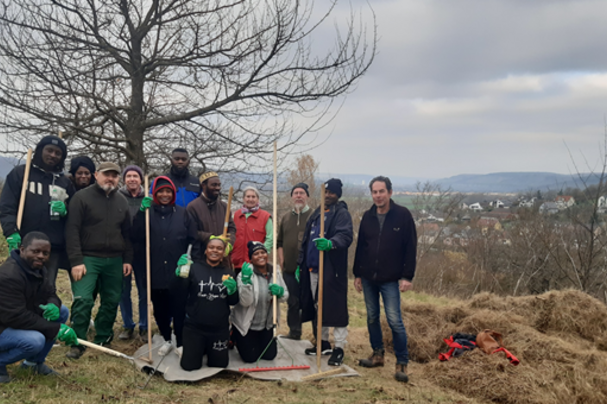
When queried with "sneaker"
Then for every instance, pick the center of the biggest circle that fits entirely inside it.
(165, 348)
(4, 377)
(337, 357)
(143, 335)
(401, 373)
(39, 368)
(179, 351)
(126, 334)
(325, 349)
(376, 359)
(75, 352)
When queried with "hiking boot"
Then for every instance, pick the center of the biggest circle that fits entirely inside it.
(293, 336)
(325, 349)
(126, 334)
(337, 357)
(4, 377)
(401, 373)
(75, 352)
(376, 359)
(143, 334)
(39, 368)
(165, 348)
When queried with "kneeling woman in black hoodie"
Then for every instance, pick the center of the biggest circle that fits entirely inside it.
(211, 289)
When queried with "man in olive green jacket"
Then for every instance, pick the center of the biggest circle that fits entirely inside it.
(99, 248)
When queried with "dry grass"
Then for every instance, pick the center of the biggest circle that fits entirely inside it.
(98, 378)
(559, 337)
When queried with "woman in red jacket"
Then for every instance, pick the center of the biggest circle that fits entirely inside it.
(252, 224)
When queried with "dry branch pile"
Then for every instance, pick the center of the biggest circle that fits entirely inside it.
(559, 337)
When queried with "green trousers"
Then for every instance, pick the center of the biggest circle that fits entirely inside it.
(106, 273)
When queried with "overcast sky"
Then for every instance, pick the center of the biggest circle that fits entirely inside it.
(475, 86)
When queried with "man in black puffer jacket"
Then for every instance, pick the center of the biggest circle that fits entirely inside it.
(385, 265)
(31, 313)
(47, 195)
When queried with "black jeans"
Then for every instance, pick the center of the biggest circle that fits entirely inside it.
(294, 311)
(197, 343)
(167, 307)
(251, 346)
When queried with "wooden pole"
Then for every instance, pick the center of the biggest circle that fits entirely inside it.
(274, 250)
(26, 177)
(321, 266)
(148, 270)
(226, 222)
(104, 349)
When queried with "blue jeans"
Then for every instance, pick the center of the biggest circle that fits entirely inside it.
(391, 296)
(126, 308)
(27, 344)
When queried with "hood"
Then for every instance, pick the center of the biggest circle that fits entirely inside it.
(160, 183)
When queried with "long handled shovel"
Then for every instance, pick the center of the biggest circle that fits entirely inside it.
(321, 267)
(257, 368)
(26, 176)
(148, 271)
(226, 222)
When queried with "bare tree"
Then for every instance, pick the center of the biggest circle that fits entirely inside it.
(128, 80)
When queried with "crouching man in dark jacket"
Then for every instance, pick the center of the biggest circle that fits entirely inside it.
(385, 265)
(31, 314)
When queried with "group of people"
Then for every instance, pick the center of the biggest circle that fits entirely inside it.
(212, 285)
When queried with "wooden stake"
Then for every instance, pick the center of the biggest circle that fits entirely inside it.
(104, 349)
(274, 250)
(148, 271)
(226, 222)
(26, 177)
(321, 267)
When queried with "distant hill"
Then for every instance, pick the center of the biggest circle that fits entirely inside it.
(514, 182)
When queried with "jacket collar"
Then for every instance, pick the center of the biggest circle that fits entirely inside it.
(16, 255)
(126, 192)
(374, 208)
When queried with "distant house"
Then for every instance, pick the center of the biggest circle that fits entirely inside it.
(527, 203)
(476, 207)
(485, 223)
(496, 204)
(549, 208)
(564, 201)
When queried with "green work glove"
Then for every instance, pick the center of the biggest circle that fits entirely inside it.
(322, 244)
(246, 273)
(58, 207)
(178, 271)
(183, 260)
(146, 202)
(297, 274)
(14, 241)
(67, 335)
(51, 311)
(276, 290)
(230, 284)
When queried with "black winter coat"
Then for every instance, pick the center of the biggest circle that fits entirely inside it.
(22, 290)
(36, 213)
(338, 229)
(171, 231)
(389, 254)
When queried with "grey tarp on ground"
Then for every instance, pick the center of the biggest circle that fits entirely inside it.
(174, 373)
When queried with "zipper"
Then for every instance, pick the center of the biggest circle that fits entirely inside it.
(378, 245)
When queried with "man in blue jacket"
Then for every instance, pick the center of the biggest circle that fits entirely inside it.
(48, 192)
(188, 186)
(385, 265)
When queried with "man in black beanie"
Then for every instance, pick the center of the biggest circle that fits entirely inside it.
(46, 199)
(334, 242)
(290, 235)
